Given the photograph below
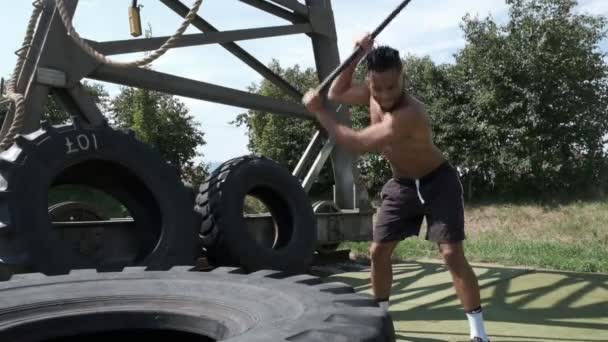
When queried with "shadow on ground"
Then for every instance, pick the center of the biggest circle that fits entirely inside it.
(519, 304)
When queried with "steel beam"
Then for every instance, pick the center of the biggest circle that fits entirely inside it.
(78, 102)
(150, 79)
(316, 140)
(148, 44)
(66, 102)
(36, 97)
(293, 5)
(87, 106)
(318, 164)
(236, 50)
(331, 227)
(61, 69)
(274, 10)
(327, 58)
(25, 74)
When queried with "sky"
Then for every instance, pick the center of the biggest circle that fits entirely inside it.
(422, 28)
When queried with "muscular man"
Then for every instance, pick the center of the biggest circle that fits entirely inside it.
(424, 183)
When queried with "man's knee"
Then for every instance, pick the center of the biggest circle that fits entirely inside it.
(452, 254)
(381, 251)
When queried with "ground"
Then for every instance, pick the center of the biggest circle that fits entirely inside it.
(521, 304)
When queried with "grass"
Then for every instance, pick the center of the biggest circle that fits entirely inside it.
(106, 204)
(567, 237)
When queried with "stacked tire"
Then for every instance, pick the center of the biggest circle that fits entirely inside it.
(100, 157)
(222, 305)
(223, 232)
(73, 297)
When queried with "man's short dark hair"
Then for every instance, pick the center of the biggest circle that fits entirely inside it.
(383, 58)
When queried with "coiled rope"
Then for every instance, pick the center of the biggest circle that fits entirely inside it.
(65, 17)
(11, 88)
(17, 99)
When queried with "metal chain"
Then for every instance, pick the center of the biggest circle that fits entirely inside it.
(65, 17)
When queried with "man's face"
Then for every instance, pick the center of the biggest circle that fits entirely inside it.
(385, 87)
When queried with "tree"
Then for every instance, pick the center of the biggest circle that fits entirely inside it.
(280, 138)
(521, 112)
(163, 121)
(56, 115)
(54, 112)
(536, 91)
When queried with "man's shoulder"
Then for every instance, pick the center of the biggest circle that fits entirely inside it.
(411, 109)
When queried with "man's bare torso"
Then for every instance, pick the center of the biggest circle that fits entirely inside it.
(413, 154)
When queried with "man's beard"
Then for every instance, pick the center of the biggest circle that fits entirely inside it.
(396, 104)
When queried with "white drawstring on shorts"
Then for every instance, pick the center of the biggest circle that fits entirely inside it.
(418, 190)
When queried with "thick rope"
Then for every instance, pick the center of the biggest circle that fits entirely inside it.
(11, 89)
(103, 59)
(18, 99)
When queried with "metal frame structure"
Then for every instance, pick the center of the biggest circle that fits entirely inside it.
(56, 65)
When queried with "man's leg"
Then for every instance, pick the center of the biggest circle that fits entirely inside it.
(463, 277)
(466, 286)
(399, 216)
(445, 217)
(382, 271)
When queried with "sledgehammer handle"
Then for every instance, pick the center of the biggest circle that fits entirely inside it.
(331, 77)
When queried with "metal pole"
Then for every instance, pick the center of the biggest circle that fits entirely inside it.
(327, 57)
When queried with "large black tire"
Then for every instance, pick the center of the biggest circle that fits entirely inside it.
(110, 160)
(221, 305)
(224, 232)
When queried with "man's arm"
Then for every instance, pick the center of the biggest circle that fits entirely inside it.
(342, 89)
(369, 139)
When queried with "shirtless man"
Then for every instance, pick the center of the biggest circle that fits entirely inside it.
(424, 183)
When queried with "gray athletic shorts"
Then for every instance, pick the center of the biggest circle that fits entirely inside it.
(438, 196)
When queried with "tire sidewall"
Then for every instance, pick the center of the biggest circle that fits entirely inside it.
(297, 254)
(293, 307)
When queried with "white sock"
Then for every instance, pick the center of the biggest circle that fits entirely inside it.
(383, 304)
(476, 324)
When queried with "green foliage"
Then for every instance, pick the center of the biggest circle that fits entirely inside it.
(108, 206)
(569, 237)
(521, 112)
(254, 205)
(280, 138)
(56, 115)
(163, 121)
(534, 100)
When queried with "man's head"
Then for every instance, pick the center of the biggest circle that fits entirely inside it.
(384, 71)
